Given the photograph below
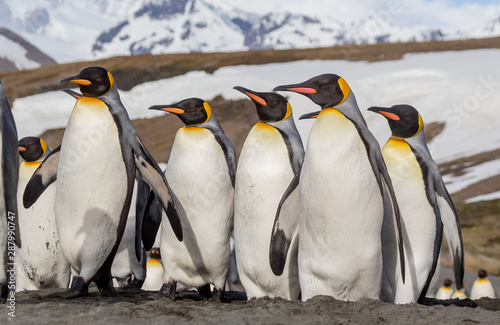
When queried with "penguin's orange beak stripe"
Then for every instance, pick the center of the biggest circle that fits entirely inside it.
(22, 149)
(173, 110)
(303, 90)
(391, 116)
(80, 82)
(257, 99)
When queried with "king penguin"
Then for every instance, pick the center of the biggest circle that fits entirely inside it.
(343, 189)
(9, 226)
(41, 263)
(270, 160)
(126, 269)
(445, 292)
(95, 168)
(482, 287)
(425, 207)
(201, 171)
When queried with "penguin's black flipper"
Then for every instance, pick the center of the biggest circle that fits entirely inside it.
(284, 228)
(452, 229)
(151, 222)
(72, 93)
(43, 176)
(140, 210)
(10, 163)
(152, 174)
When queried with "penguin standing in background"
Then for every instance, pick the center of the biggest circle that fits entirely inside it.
(445, 292)
(344, 193)
(95, 168)
(9, 226)
(270, 160)
(482, 287)
(425, 207)
(154, 273)
(201, 170)
(40, 261)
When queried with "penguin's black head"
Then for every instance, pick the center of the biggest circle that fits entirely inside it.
(93, 81)
(447, 283)
(404, 120)
(482, 274)
(155, 253)
(32, 148)
(192, 111)
(326, 90)
(271, 107)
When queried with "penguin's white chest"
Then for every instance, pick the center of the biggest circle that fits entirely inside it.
(197, 172)
(263, 175)
(341, 213)
(91, 183)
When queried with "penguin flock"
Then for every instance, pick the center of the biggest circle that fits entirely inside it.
(343, 218)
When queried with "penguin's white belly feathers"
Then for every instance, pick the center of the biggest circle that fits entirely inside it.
(91, 186)
(40, 258)
(263, 175)
(482, 288)
(341, 213)
(198, 174)
(417, 217)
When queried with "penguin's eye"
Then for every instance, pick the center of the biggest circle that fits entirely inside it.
(275, 103)
(324, 86)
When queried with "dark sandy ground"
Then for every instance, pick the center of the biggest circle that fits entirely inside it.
(132, 306)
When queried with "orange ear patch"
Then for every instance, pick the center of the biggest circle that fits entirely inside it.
(257, 99)
(391, 116)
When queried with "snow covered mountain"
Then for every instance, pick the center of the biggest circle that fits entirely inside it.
(18, 54)
(89, 29)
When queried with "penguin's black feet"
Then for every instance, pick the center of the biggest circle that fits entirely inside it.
(168, 289)
(3, 293)
(205, 291)
(78, 288)
(218, 295)
(106, 288)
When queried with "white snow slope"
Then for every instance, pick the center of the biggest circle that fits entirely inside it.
(459, 88)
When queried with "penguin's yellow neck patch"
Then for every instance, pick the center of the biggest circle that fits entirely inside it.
(482, 280)
(192, 129)
(32, 163)
(91, 102)
(330, 110)
(397, 142)
(263, 126)
(154, 262)
(44, 146)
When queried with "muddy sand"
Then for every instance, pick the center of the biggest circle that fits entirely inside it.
(132, 306)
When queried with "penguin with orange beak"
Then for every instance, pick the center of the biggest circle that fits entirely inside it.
(201, 171)
(267, 181)
(345, 194)
(95, 168)
(425, 207)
